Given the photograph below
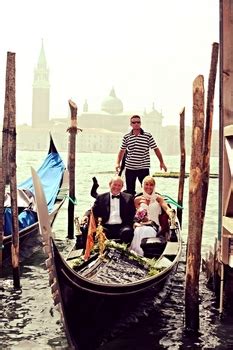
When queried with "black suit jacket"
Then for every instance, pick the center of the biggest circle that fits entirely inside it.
(101, 207)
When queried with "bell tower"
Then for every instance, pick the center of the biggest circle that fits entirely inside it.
(41, 92)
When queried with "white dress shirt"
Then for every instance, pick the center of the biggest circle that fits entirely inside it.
(114, 217)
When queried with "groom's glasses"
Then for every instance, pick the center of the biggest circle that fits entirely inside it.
(136, 122)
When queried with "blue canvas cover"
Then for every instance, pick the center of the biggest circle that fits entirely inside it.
(50, 173)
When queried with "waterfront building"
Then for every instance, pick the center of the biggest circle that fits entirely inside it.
(41, 92)
(102, 130)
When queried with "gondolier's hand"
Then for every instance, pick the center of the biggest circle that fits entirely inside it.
(171, 213)
(136, 224)
(84, 219)
(163, 166)
(118, 167)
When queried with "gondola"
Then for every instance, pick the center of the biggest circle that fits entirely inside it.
(54, 178)
(94, 295)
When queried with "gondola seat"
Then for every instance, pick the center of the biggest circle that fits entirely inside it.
(153, 247)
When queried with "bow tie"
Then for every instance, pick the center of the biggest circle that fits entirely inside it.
(118, 196)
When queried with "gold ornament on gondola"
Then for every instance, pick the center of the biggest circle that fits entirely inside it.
(100, 235)
(77, 225)
(172, 218)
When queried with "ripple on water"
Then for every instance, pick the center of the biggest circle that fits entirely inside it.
(30, 321)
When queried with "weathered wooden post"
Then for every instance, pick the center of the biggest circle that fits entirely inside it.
(2, 195)
(208, 125)
(225, 232)
(71, 167)
(5, 134)
(182, 166)
(4, 169)
(195, 216)
(10, 88)
(209, 265)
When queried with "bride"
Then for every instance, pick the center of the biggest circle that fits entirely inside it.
(149, 206)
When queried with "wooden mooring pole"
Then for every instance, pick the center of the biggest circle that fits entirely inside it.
(2, 195)
(195, 216)
(71, 167)
(208, 125)
(198, 187)
(11, 115)
(182, 165)
(4, 169)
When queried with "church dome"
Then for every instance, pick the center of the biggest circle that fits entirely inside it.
(154, 114)
(112, 104)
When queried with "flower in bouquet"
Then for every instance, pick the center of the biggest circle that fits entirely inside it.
(141, 215)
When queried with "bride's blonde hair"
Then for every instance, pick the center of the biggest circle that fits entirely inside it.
(148, 178)
(146, 195)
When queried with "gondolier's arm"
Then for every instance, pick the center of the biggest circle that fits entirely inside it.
(119, 159)
(160, 158)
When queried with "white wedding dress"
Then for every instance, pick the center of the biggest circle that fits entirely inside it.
(153, 212)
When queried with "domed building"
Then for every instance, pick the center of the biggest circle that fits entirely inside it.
(112, 122)
(112, 104)
(152, 122)
(102, 129)
(111, 115)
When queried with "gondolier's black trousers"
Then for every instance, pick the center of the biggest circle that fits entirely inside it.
(122, 232)
(131, 177)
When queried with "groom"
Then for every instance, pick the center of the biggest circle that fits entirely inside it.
(117, 210)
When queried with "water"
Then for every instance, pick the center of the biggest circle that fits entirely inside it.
(29, 319)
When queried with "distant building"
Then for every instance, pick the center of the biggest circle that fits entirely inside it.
(102, 130)
(41, 92)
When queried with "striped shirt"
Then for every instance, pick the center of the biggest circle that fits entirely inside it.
(138, 149)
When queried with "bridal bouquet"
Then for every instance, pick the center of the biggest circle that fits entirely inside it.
(141, 219)
(141, 215)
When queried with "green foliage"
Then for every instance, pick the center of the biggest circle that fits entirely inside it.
(76, 262)
(149, 264)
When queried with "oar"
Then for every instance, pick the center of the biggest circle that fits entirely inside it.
(42, 210)
(46, 232)
(122, 164)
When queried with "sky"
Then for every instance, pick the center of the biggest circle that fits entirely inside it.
(150, 51)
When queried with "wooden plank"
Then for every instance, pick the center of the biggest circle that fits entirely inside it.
(228, 224)
(225, 148)
(171, 248)
(226, 108)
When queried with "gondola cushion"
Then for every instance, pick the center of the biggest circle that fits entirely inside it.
(153, 246)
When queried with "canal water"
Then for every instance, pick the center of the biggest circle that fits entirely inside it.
(29, 319)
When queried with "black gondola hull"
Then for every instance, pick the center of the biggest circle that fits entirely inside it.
(30, 239)
(91, 310)
(96, 295)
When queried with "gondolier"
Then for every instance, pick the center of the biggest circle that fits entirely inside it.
(137, 143)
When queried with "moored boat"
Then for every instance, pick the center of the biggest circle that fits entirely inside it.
(54, 178)
(94, 295)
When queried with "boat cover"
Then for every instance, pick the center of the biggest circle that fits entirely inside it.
(50, 173)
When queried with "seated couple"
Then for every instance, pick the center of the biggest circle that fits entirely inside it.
(127, 218)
